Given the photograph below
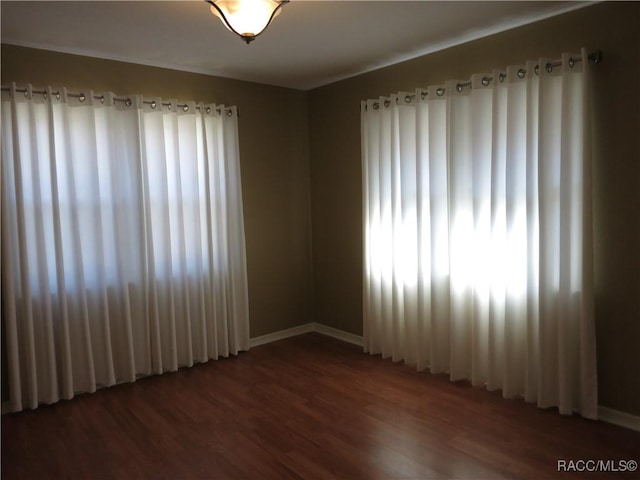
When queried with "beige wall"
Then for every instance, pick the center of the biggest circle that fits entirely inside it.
(334, 123)
(274, 156)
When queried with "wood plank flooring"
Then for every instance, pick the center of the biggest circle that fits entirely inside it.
(309, 407)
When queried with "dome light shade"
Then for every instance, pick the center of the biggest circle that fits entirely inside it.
(246, 18)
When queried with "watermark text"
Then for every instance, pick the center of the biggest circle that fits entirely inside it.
(597, 465)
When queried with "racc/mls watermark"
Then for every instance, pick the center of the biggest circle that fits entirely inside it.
(597, 465)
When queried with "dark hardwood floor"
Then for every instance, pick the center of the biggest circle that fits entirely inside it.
(307, 407)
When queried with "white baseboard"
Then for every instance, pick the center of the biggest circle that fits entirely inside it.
(306, 328)
(281, 335)
(616, 417)
(339, 334)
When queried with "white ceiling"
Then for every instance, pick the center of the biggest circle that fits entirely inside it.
(312, 43)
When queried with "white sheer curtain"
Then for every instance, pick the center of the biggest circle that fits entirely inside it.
(123, 247)
(478, 232)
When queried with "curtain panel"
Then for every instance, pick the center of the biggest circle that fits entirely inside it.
(478, 231)
(123, 250)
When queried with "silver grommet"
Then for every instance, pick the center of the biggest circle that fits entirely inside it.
(185, 108)
(501, 77)
(595, 57)
(229, 113)
(82, 97)
(102, 99)
(408, 98)
(521, 73)
(208, 110)
(128, 102)
(387, 103)
(154, 105)
(572, 62)
(45, 95)
(57, 95)
(440, 92)
(486, 81)
(536, 70)
(549, 67)
(423, 95)
(376, 106)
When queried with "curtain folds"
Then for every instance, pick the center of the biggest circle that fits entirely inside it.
(123, 249)
(478, 232)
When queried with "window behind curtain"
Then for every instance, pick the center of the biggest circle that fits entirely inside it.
(478, 231)
(123, 241)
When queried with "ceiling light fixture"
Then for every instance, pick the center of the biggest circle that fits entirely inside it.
(246, 18)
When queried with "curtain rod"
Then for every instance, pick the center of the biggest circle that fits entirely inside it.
(127, 101)
(594, 57)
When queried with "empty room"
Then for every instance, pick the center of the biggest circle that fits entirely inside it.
(261, 239)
